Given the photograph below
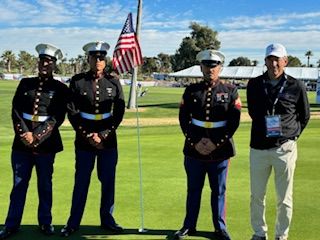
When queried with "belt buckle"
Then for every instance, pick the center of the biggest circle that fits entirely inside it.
(207, 125)
(35, 118)
(98, 117)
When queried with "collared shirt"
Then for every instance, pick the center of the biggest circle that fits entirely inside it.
(292, 106)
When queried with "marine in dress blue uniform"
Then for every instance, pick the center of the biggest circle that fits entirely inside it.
(95, 111)
(38, 109)
(209, 116)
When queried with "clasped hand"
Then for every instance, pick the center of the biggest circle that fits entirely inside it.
(205, 146)
(95, 140)
(27, 138)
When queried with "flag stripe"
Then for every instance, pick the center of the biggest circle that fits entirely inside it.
(127, 52)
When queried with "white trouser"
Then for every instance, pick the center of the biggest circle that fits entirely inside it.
(283, 161)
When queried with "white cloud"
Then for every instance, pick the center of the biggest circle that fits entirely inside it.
(266, 22)
(49, 13)
(252, 44)
(270, 21)
(71, 40)
(71, 24)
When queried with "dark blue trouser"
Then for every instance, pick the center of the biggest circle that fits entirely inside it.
(106, 168)
(196, 172)
(22, 164)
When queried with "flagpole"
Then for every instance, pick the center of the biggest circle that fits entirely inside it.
(133, 94)
(132, 103)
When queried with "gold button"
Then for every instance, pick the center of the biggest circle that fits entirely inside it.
(35, 112)
(207, 118)
(194, 100)
(37, 99)
(222, 140)
(207, 111)
(218, 144)
(43, 131)
(208, 99)
(39, 135)
(97, 86)
(97, 104)
(208, 105)
(41, 83)
(40, 88)
(96, 111)
(36, 105)
(97, 92)
(209, 93)
(209, 89)
(97, 98)
(38, 94)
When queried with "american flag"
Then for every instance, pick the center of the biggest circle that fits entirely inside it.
(127, 53)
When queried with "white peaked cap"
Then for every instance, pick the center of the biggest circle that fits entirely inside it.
(98, 46)
(210, 54)
(49, 50)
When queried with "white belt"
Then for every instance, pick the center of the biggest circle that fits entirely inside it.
(208, 124)
(95, 116)
(35, 118)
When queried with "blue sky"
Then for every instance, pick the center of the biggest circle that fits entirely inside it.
(244, 27)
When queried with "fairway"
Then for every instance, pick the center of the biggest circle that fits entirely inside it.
(164, 180)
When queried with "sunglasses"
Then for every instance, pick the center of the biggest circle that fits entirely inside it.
(210, 63)
(100, 57)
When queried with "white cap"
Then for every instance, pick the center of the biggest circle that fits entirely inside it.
(49, 50)
(210, 55)
(98, 46)
(277, 50)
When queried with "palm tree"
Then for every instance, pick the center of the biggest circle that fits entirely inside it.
(308, 55)
(72, 69)
(26, 62)
(8, 57)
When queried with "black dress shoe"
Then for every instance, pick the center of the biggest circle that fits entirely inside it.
(47, 229)
(222, 234)
(66, 231)
(113, 227)
(7, 232)
(183, 232)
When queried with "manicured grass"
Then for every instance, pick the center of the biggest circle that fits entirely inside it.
(164, 180)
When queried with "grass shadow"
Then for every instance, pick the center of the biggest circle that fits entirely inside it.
(95, 233)
(161, 105)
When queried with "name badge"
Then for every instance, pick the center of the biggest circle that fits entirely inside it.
(273, 126)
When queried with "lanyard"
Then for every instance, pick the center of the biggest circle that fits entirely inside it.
(279, 93)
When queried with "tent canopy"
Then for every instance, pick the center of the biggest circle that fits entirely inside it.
(247, 72)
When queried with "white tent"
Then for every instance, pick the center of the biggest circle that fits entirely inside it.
(244, 72)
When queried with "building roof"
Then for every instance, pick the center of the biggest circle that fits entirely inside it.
(247, 72)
